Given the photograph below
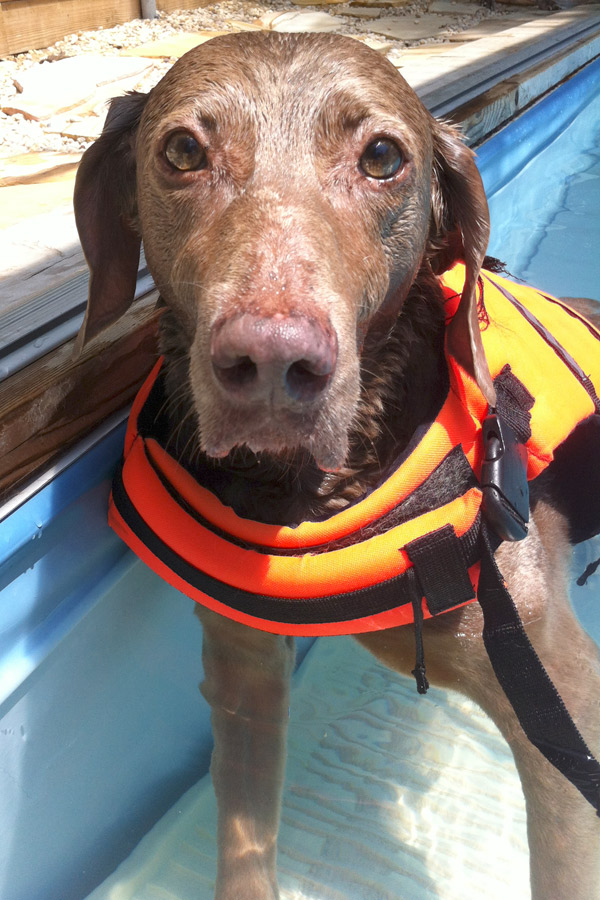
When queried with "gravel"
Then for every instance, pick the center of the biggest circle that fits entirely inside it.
(19, 135)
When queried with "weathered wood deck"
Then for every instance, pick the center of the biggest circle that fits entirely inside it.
(28, 24)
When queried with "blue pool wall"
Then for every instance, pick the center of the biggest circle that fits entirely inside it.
(101, 721)
(544, 201)
(102, 725)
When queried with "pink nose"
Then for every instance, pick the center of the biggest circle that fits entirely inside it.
(275, 358)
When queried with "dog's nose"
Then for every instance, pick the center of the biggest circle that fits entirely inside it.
(277, 358)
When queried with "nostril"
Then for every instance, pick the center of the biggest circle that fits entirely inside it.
(276, 359)
(237, 375)
(303, 383)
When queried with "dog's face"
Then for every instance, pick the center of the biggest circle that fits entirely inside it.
(288, 189)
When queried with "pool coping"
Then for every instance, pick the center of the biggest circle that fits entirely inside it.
(482, 115)
(464, 72)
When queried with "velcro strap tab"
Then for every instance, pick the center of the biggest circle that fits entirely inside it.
(441, 569)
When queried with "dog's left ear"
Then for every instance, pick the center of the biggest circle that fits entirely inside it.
(460, 232)
(105, 213)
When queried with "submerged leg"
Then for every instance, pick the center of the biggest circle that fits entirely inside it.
(246, 682)
(563, 829)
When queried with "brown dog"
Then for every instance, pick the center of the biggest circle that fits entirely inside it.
(296, 203)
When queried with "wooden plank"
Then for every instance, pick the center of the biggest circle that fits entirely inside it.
(4, 51)
(486, 28)
(170, 5)
(479, 65)
(495, 107)
(173, 46)
(27, 24)
(53, 403)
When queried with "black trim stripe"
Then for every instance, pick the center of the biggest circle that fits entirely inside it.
(560, 351)
(449, 481)
(593, 329)
(346, 607)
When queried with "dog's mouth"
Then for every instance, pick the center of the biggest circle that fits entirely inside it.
(275, 433)
(274, 385)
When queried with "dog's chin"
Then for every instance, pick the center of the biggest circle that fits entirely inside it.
(328, 448)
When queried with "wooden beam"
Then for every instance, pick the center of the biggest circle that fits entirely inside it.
(4, 51)
(478, 118)
(28, 24)
(53, 403)
(170, 5)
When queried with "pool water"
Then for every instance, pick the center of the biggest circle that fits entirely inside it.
(546, 215)
(556, 243)
(389, 795)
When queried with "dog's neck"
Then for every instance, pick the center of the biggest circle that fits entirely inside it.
(397, 373)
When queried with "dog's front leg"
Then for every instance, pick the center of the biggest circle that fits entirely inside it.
(563, 832)
(246, 681)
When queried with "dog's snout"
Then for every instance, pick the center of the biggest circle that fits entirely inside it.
(280, 359)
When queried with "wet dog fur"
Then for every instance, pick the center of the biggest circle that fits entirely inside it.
(280, 228)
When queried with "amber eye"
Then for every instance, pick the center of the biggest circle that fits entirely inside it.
(381, 159)
(184, 152)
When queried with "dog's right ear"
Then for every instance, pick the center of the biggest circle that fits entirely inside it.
(105, 214)
(460, 231)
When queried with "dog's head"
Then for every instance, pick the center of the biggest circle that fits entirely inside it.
(288, 189)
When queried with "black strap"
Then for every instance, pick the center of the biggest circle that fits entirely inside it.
(589, 571)
(441, 569)
(419, 671)
(442, 578)
(514, 402)
(528, 687)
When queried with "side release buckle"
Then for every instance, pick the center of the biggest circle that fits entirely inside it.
(504, 480)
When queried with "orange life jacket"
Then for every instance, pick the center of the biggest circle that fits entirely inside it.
(351, 572)
(395, 556)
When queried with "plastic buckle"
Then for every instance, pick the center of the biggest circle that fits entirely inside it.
(504, 480)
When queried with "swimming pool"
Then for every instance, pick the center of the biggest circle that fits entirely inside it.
(542, 177)
(103, 732)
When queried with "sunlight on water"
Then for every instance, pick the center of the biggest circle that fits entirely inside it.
(546, 222)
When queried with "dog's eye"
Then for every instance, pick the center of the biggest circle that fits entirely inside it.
(184, 152)
(381, 159)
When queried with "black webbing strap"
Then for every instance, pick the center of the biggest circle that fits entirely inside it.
(442, 577)
(589, 571)
(528, 687)
(441, 569)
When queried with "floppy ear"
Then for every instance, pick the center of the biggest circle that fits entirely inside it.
(105, 211)
(460, 231)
